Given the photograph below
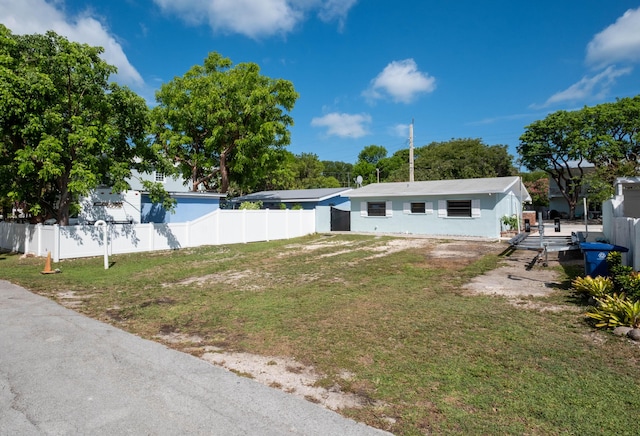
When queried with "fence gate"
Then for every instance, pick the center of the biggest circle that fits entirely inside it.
(340, 220)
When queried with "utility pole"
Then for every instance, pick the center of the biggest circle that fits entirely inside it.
(411, 151)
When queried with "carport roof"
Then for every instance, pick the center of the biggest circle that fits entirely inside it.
(492, 185)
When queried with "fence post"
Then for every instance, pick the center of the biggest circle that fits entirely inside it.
(217, 226)
(244, 226)
(26, 240)
(56, 243)
(266, 224)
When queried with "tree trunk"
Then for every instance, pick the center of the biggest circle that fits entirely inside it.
(194, 179)
(65, 201)
(224, 174)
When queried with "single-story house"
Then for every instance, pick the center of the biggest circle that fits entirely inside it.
(468, 207)
(327, 202)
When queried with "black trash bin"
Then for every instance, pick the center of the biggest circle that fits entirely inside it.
(595, 257)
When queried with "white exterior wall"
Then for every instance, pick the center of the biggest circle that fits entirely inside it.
(103, 204)
(219, 227)
(623, 231)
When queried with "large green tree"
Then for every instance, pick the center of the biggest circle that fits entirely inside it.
(221, 123)
(369, 163)
(341, 171)
(588, 148)
(310, 173)
(457, 159)
(64, 129)
(613, 137)
(557, 146)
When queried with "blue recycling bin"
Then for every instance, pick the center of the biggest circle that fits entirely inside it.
(595, 257)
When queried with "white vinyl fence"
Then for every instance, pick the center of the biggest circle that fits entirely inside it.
(622, 231)
(217, 228)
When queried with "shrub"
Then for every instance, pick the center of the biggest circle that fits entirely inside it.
(510, 222)
(625, 280)
(615, 311)
(251, 205)
(630, 285)
(592, 287)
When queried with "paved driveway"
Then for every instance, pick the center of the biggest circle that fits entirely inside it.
(63, 373)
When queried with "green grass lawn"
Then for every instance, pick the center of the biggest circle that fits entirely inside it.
(428, 357)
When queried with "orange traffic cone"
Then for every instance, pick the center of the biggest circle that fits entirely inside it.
(47, 265)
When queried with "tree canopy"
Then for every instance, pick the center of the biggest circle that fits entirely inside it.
(221, 123)
(64, 129)
(370, 160)
(455, 159)
(589, 147)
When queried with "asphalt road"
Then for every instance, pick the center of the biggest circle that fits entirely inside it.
(62, 373)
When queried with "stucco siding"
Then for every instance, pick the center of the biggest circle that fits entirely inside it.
(187, 209)
(323, 212)
(484, 222)
(170, 183)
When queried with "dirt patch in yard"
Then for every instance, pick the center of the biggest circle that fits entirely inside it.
(286, 374)
(519, 279)
(523, 276)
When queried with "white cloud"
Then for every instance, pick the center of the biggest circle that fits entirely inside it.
(618, 42)
(596, 86)
(401, 130)
(255, 18)
(39, 16)
(401, 81)
(344, 125)
(336, 10)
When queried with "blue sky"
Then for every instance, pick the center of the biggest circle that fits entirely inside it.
(365, 68)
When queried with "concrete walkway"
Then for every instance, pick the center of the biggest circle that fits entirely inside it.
(62, 373)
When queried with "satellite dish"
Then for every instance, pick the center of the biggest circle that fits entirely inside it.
(359, 181)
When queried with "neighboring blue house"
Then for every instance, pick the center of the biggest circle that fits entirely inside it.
(469, 207)
(189, 206)
(322, 200)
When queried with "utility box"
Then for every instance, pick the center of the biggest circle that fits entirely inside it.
(595, 257)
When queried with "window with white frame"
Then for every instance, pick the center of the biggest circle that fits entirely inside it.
(159, 176)
(376, 209)
(459, 208)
